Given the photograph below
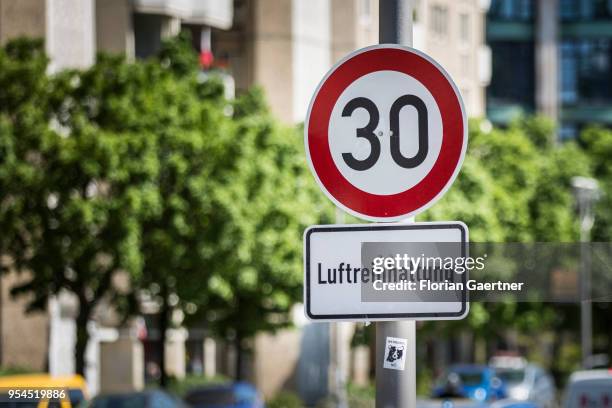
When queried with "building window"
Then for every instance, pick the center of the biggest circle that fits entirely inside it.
(511, 10)
(465, 65)
(585, 10)
(365, 10)
(439, 20)
(464, 27)
(569, 75)
(568, 131)
(585, 67)
(148, 31)
(465, 94)
(512, 74)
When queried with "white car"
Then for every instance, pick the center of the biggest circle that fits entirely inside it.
(589, 389)
(524, 381)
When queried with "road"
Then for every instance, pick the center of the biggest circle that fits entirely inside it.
(451, 403)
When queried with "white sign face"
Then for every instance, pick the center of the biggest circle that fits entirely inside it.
(375, 272)
(386, 176)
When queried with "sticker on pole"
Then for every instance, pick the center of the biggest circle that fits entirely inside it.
(395, 353)
(386, 133)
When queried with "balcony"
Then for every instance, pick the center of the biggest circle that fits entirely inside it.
(214, 13)
(590, 29)
(509, 31)
(588, 114)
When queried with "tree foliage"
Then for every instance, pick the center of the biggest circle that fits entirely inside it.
(514, 187)
(71, 195)
(597, 142)
(515, 184)
(270, 199)
(142, 169)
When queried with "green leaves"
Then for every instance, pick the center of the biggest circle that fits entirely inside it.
(597, 143)
(515, 185)
(143, 163)
(264, 200)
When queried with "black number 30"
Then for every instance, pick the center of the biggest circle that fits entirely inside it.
(367, 132)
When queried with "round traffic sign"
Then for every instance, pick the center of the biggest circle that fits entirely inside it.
(386, 132)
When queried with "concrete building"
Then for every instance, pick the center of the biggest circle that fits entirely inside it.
(73, 32)
(59, 22)
(38, 340)
(452, 32)
(136, 28)
(23, 340)
(551, 57)
(287, 46)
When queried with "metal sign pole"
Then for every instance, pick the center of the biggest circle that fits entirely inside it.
(396, 388)
(338, 377)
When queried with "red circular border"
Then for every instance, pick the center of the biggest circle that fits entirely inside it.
(453, 127)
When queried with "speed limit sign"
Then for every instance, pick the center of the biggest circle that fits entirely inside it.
(386, 132)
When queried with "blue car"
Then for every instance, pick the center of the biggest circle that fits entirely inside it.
(231, 395)
(477, 382)
(142, 399)
(514, 404)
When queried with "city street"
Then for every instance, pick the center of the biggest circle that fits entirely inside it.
(305, 203)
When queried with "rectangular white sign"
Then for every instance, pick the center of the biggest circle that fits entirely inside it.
(377, 272)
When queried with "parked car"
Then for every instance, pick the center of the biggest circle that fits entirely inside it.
(525, 381)
(144, 399)
(74, 386)
(589, 389)
(477, 382)
(230, 395)
(451, 403)
(510, 403)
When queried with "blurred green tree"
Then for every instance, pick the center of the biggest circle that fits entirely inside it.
(269, 199)
(514, 187)
(221, 241)
(71, 194)
(183, 119)
(597, 143)
(145, 169)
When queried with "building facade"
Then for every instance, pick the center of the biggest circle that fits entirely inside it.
(59, 22)
(287, 46)
(136, 28)
(73, 32)
(551, 57)
(35, 340)
(452, 32)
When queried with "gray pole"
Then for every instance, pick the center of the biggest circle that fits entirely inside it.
(395, 22)
(338, 348)
(396, 388)
(586, 313)
(586, 318)
(587, 193)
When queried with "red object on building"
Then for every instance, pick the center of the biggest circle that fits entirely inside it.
(206, 55)
(206, 59)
